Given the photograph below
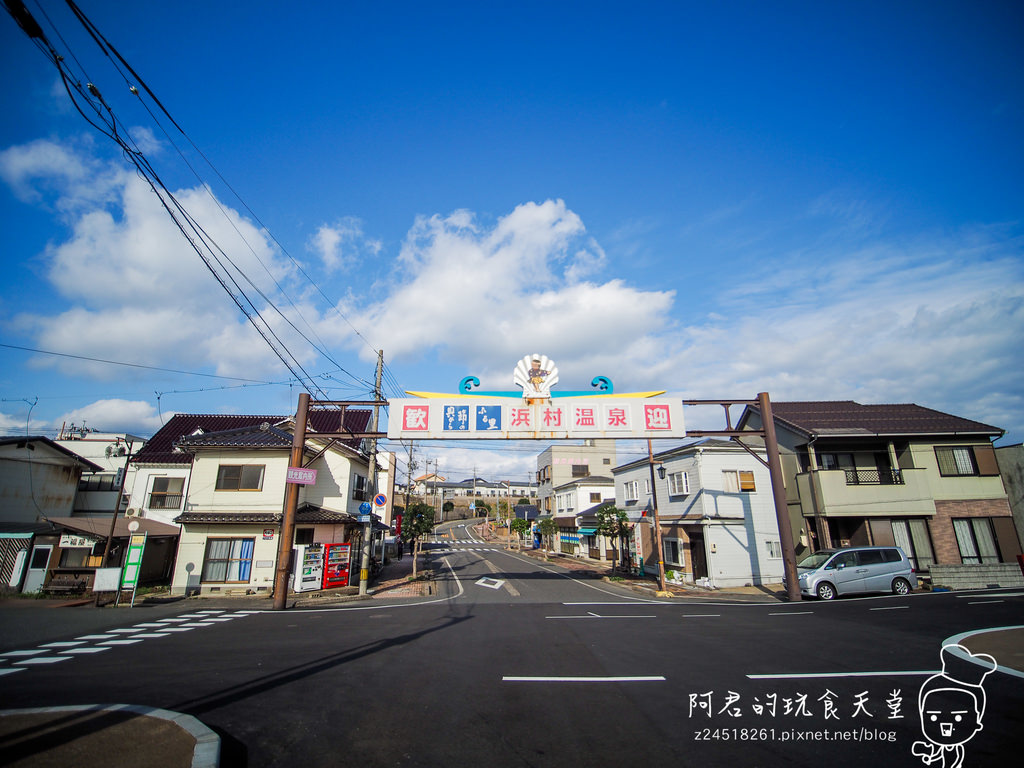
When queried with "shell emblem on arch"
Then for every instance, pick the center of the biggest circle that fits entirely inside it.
(536, 374)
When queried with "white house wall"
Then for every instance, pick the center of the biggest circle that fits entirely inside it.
(736, 526)
(142, 486)
(188, 568)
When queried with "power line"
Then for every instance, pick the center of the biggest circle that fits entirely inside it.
(133, 365)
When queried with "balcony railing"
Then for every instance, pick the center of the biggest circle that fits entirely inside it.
(165, 500)
(873, 477)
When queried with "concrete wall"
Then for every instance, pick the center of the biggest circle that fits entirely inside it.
(1011, 467)
(977, 576)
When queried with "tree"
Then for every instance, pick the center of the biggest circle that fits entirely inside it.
(418, 521)
(447, 507)
(519, 526)
(548, 528)
(611, 522)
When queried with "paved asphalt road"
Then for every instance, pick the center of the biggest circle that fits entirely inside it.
(518, 663)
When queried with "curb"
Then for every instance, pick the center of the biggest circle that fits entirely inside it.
(206, 753)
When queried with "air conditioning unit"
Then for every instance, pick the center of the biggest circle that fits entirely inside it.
(133, 512)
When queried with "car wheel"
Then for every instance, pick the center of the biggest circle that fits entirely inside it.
(900, 587)
(826, 591)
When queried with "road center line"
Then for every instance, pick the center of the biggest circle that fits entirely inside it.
(891, 608)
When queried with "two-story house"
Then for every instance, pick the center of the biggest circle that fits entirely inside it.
(233, 508)
(561, 463)
(892, 474)
(716, 510)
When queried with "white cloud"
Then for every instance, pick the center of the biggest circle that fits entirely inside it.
(131, 416)
(340, 245)
(488, 295)
(934, 322)
(137, 290)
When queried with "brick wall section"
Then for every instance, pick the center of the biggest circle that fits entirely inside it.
(977, 576)
(943, 538)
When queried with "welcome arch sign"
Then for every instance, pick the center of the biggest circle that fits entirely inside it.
(536, 412)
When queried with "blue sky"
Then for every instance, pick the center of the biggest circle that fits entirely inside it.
(817, 200)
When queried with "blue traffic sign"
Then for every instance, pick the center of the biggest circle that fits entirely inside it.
(365, 508)
(380, 500)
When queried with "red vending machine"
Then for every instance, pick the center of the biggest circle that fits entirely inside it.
(337, 564)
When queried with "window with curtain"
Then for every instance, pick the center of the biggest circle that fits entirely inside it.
(912, 537)
(228, 560)
(678, 484)
(239, 477)
(955, 461)
(975, 540)
(741, 481)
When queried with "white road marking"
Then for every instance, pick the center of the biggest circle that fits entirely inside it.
(488, 582)
(635, 679)
(890, 608)
(62, 644)
(35, 652)
(91, 649)
(43, 660)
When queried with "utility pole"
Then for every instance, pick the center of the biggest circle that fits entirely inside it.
(117, 511)
(771, 447)
(657, 522)
(364, 568)
(291, 504)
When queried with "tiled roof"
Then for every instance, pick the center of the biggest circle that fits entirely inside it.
(100, 526)
(310, 513)
(160, 448)
(262, 436)
(236, 518)
(845, 417)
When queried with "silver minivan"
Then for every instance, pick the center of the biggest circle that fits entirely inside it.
(850, 570)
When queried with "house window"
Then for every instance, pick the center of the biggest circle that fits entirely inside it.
(359, 491)
(976, 541)
(958, 461)
(166, 493)
(228, 560)
(580, 470)
(595, 498)
(678, 484)
(240, 477)
(98, 482)
(774, 549)
(912, 537)
(673, 552)
(738, 481)
(631, 490)
(606, 461)
(303, 535)
(74, 557)
(835, 460)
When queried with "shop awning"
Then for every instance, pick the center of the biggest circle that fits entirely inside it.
(587, 531)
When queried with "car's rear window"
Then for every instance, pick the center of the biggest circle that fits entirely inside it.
(891, 555)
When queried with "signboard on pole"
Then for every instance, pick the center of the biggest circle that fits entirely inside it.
(380, 500)
(300, 475)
